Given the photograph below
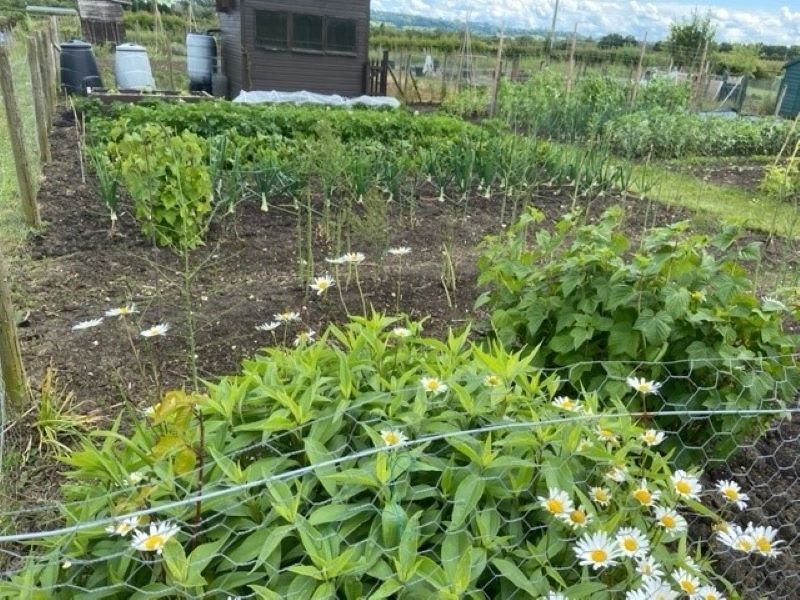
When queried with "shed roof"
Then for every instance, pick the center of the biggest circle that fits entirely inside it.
(791, 63)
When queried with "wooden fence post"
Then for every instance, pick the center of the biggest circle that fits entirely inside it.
(39, 102)
(638, 77)
(571, 61)
(497, 73)
(24, 180)
(47, 71)
(14, 378)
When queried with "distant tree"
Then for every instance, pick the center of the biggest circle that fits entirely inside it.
(612, 40)
(688, 38)
(724, 47)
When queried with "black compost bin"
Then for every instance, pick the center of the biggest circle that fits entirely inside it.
(78, 68)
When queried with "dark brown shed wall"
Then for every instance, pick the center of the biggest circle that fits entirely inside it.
(291, 70)
(231, 36)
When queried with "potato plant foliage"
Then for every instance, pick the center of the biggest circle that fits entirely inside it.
(585, 299)
(302, 498)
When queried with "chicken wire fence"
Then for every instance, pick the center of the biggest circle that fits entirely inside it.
(552, 494)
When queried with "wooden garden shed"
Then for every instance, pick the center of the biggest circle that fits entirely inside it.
(101, 21)
(789, 95)
(291, 45)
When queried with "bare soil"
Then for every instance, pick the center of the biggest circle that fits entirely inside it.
(247, 272)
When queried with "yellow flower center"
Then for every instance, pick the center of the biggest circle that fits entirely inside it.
(606, 434)
(391, 438)
(763, 544)
(492, 380)
(683, 487)
(731, 494)
(601, 496)
(630, 544)
(577, 516)
(643, 388)
(598, 555)
(744, 545)
(643, 495)
(668, 521)
(555, 506)
(688, 586)
(649, 437)
(433, 385)
(154, 542)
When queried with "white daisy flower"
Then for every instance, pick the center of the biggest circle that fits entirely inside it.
(349, 258)
(433, 385)
(606, 435)
(732, 493)
(399, 251)
(322, 284)
(156, 539)
(269, 326)
(596, 550)
(557, 502)
(401, 332)
(289, 316)
(155, 330)
(652, 589)
(733, 536)
(688, 583)
(123, 527)
(644, 495)
(393, 437)
(566, 403)
(122, 311)
(708, 593)
(600, 496)
(87, 324)
(764, 539)
(618, 474)
(670, 520)
(555, 596)
(577, 518)
(651, 437)
(685, 485)
(648, 568)
(643, 386)
(304, 337)
(632, 542)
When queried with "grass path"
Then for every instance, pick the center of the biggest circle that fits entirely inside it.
(723, 202)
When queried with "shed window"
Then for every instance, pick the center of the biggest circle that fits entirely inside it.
(341, 35)
(272, 28)
(307, 32)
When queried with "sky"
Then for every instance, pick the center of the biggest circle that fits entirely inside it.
(736, 21)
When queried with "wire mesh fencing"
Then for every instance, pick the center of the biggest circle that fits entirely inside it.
(311, 475)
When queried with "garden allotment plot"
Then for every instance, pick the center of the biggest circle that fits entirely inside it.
(396, 225)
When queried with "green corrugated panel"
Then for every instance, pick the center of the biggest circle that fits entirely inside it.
(790, 107)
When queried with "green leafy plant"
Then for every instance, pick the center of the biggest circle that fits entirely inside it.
(168, 178)
(676, 307)
(373, 463)
(107, 180)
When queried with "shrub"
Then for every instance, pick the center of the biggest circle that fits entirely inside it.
(168, 178)
(676, 307)
(293, 480)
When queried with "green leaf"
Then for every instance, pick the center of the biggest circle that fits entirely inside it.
(676, 302)
(656, 327)
(265, 593)
(466, 498)
(407, 551)
(513, 573)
